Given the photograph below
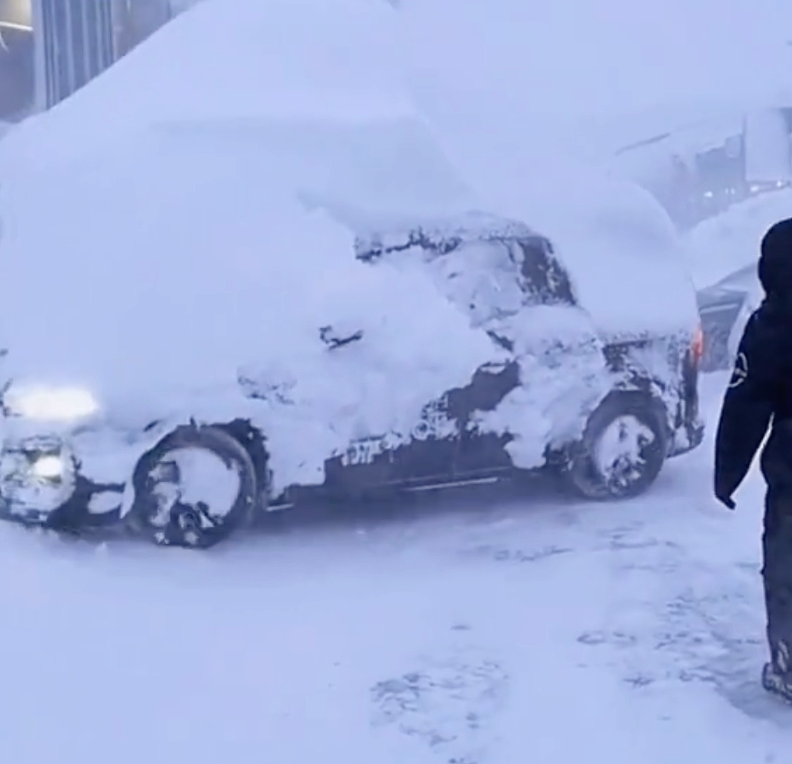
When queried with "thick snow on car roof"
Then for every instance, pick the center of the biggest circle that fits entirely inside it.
(321, 84)
(619, 244)
(170, 237)
(232, 60)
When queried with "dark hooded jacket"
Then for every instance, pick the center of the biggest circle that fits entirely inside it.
(760, 390)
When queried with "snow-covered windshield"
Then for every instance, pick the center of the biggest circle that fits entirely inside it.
(357, 168)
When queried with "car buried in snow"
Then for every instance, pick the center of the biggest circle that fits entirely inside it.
(194, 380)
(216, 301)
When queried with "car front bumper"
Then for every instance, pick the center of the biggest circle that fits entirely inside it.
(67, 479)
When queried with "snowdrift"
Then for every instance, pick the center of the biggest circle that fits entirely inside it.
(618, 242)
(167, 265)
(186, 240)
(724, 244)
(200, 222)
(232, 59)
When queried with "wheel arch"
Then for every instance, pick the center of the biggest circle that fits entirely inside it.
(166, 530)
(619, 401)
(252, 439)
(643, 391)
(640, 395)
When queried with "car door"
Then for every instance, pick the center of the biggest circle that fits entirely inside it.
(511, 276)
(478, 276)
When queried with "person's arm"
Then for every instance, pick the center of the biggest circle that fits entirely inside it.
(748, 408)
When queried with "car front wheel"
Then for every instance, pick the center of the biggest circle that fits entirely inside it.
(194, 489)
(622, 450)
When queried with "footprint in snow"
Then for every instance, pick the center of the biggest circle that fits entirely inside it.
(449, 705)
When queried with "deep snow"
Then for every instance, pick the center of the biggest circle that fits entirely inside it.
(469, 632)
(722, 245)
(191, 241)
(473, 632)
(197, 235)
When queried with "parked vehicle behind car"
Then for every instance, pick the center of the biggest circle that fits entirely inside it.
(723, 253)
(206, 316)
(725, 308)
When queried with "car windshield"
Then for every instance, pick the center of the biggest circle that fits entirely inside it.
(387, 167)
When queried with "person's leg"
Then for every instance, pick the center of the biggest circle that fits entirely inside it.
(777, 578)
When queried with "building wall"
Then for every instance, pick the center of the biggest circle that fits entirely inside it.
(74, 43)
(17, 71)
(702, 169)
(135, 20)
(75, 40)
(16, 12)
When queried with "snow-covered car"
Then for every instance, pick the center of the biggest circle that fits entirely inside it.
(222, 360)
(211, 307)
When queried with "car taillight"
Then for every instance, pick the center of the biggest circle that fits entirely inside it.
(697, 345)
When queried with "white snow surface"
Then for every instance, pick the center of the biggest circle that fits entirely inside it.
(562, 361)
(560, 355)
(188, 238)
(299, 58)
(196, 232)
(163, 291)
(473, 631)
(476, 632)
(621, 248)
(726, 243)
(205, 477)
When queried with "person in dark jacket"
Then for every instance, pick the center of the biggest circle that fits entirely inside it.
(759, 396)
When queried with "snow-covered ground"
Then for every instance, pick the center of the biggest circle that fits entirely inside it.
(484, 630)
(471, 632)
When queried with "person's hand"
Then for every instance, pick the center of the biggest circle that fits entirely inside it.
(727, 501)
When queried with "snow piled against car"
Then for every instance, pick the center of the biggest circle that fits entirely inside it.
(176, 302)
(203, 278)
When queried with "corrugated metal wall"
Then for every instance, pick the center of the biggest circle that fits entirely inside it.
(76, 38)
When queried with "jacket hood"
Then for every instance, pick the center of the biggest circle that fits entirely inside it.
(775, 261)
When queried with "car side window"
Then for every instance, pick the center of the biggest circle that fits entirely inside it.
(481, 278)
(495, 278)
(491, 277)
(546, 281)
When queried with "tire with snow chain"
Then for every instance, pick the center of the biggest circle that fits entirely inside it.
(194, 489)
(622, 450)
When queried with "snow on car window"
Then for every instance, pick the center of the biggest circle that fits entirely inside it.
(481, 279)
(545, 278)
(494, 279)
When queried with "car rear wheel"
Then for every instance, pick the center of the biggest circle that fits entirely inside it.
(194, 489)
(622, 450)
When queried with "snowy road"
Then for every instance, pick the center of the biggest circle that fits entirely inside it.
(540, 631)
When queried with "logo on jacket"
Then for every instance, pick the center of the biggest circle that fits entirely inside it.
(740, 373)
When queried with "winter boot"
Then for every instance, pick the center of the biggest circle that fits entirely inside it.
(777, 675)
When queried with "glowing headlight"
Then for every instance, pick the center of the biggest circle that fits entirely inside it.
(49, 467)
(51, 403)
